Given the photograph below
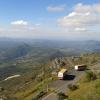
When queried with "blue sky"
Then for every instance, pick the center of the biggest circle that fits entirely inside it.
(50, 19)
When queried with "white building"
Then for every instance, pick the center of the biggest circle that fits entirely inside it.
(80, 67)
(62, 73)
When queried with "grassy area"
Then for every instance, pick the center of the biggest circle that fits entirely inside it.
(32, 90)
(86, 91)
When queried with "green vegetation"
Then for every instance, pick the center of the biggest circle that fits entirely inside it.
(90, 75)
(62, 96)
(88, 87)
(87, 91)
(39, 96)
(31, 90)
(72, 87)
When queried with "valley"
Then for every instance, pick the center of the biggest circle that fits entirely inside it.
(34, 65)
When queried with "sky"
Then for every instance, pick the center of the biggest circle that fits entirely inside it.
(50, 19)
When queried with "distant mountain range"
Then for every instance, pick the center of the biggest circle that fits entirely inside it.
(13, 49)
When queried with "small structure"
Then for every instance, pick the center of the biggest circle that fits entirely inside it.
(80, 67)
(62, 73)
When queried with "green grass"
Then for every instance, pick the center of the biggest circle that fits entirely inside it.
(31, 90)
(87, 91)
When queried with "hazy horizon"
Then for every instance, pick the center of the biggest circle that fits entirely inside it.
(45, 39)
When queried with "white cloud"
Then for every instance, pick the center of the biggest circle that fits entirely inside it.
(22, 27)
(72, 14)
(78, 29)
(20, 23)
(60, 8)
(82, 16)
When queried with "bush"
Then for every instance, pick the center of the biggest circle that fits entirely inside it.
(61, 96)
(40, 95)
(97, 85)
(90, 76)
(98, 75)
(1, 89)
(72, 87)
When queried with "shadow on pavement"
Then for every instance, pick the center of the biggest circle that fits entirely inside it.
(83, 69)
(69, 77)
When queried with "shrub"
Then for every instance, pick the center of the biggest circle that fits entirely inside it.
(1, 89)
(97, 85)
(38, 96)
(61, 96)
(72, 87)
(98, 75)
(90, 76)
